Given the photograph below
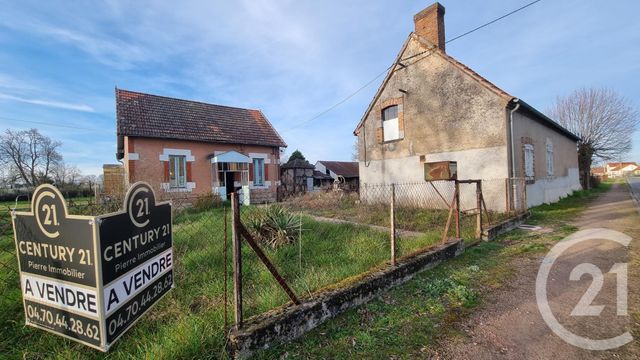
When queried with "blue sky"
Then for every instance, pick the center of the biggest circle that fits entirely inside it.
(60, 61)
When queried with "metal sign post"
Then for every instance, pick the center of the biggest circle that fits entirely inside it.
(90, 278)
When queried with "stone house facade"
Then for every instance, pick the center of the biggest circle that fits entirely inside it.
(187, 148)
(430, 107)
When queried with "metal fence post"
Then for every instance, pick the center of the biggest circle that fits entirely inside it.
(393, 224)
(224, 251)
(237, 258)
(457, 193)
(479, 206)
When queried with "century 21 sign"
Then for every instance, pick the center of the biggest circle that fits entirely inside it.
(89, 278)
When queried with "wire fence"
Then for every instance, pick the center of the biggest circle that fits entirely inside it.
(315, 241)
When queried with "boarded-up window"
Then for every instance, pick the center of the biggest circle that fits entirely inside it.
(529, 171)
(390, 125)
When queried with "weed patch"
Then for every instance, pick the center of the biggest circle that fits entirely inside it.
(408, 320)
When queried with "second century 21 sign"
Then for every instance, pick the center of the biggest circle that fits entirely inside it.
(89, 278)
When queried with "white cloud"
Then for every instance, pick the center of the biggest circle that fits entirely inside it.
(289, 58)
(49, 103)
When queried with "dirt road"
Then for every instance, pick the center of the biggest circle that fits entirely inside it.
(509, 324)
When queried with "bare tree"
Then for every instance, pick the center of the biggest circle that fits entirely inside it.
(354, 151)
(64, 174)
(29, 154)
(90, 181)
(604, 121)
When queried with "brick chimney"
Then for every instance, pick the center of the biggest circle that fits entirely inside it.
(430, 24)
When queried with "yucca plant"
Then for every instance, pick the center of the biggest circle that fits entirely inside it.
(273, 225)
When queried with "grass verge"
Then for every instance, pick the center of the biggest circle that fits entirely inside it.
(407, 321)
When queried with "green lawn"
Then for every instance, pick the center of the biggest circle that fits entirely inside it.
(407, 321)
(24, 205)
(347, 207)
(188, 323)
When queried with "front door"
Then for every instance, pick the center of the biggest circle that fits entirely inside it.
(309, 184)
(229, 179)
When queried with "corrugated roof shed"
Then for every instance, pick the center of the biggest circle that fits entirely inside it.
(347, 169)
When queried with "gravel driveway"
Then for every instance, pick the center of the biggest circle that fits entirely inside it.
(509, 325)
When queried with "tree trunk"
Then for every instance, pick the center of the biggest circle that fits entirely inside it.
(585, 158)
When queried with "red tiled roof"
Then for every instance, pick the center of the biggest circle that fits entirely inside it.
(620, 165)
(146, 115)
(345, 168)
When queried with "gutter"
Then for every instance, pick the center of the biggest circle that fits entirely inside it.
(546, 120)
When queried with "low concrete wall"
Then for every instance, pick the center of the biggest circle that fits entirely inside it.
(547, 191)
(289, 322)
(494, 231)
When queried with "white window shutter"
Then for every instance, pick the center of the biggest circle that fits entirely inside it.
(528, 161)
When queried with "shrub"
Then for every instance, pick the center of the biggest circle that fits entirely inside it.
(462, 296)
(273, 225)
(207, 201)
(324, 200)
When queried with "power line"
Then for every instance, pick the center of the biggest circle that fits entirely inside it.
(341, 101)
(492, 21)
(410, 57)
(347, 98)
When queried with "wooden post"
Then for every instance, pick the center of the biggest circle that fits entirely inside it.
(237, 258)
(446, 227)
(393, 224)
(479, 206)
(457, 194)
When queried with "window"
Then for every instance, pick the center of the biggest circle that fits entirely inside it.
(550, 169)
(177, 171)
(529, 172)
(258, 172)
(390, 125)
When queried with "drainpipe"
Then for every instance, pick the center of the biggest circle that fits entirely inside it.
(513, 151)
(513, 146)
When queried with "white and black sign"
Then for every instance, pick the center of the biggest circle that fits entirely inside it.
(90, 278)
(135, 253)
